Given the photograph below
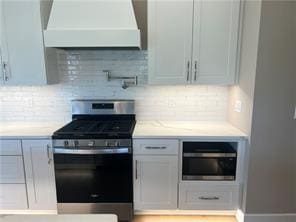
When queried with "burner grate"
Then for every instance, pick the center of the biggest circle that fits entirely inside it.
(96, 127)
(118, 126)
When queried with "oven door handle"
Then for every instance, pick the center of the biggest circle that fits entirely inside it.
(217, 155)
(119, 150)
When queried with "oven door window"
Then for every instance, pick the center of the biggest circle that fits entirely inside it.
(193, 166)
(93, 178)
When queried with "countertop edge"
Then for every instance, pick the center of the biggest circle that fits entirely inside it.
(192, 137)
(25, 137)
(137, 137)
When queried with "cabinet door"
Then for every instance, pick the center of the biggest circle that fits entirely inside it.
(2, 45)
(11, 170)
(215, 41)
(155, 182)
(1, 63)
(24, 40)
(13, 197)
(11, 148)
(169, 41)
(40, 174)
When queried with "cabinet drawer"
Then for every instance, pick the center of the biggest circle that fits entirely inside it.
(156, 146)
(208, 197)
(10, 147)
(11, 169)
(13, 196)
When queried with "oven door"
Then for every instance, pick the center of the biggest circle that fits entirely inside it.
(94, 178)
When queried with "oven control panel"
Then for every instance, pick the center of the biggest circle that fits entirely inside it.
(88, 143)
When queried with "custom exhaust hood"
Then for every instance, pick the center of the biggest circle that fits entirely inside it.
(92, 23)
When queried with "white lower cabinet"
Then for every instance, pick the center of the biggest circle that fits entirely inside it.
(11, 170)
(11, 148)
(13, 197)
(13, 193)
(155, 183)
(40, 178)
(193, 196)
(158, 184)
(155, 174)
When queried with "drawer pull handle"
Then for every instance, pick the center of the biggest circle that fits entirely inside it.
(188, 70)
(195, 70)
(209, 198)
(48, 154)
(136, 170)
(155, 147)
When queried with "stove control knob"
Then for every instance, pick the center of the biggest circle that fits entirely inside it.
(107, 143)
(66, 143)
(116, 143)
(91, 143)
(76, 143)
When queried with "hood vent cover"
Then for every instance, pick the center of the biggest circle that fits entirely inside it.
(92, 23)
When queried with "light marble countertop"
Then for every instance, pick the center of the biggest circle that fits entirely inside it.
(186, 129)
(143, 129)
(28, 130)
(60, 218)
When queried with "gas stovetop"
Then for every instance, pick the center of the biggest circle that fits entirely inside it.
(96, 129)
(99, 119)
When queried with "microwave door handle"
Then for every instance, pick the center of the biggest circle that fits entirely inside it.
(216, 155)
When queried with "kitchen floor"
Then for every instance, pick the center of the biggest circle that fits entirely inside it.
(184, 219)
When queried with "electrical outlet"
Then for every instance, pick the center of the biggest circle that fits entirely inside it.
(295, 113)
(238, 106)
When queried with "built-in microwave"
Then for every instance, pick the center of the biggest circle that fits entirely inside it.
(212, 161)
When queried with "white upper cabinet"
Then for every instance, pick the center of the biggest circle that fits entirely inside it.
(169, 41)
(193, 41)
(3, 48)
(23, 53)
(1, 70)
(215, 41)
(39, 168)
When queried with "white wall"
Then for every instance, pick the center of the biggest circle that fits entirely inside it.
(270, 184)
(81, 77)
(244, 91)
(295, 108)
(268, 49)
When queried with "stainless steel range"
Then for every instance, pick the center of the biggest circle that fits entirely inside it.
(93, 159)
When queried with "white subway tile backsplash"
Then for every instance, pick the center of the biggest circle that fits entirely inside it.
(81, 77)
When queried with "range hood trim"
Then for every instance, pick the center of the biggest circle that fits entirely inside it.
(92, 38)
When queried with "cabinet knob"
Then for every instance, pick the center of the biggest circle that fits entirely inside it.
(91, 143)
